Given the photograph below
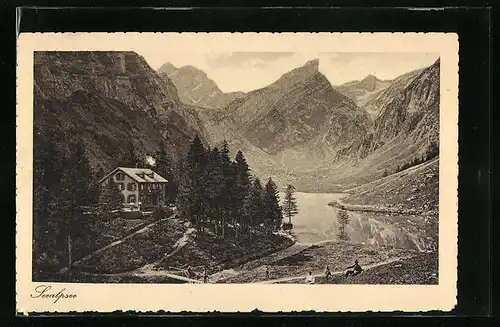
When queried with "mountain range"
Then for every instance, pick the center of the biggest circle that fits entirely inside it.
(364, 91)
(299, 129)
(195, 88)
(303, 130)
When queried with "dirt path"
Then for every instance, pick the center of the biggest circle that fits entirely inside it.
(149, 274)
(121, 240)
(220, 276)
(321, 274)
(147, 270)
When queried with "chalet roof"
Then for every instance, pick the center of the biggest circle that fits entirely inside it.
(140, 175)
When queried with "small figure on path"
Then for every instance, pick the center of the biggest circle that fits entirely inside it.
(189, 272)
(267, 272)
(310, 278)
(205, 275)
(354, 269)
(328, 274)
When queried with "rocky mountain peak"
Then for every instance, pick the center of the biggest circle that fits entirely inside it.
(167, 68)
(312, 65)
(369, 82)
(191, 70)
(299, 74)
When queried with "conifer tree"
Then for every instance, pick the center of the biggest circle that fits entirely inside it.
(110, 200)
(191, 200)
(343, 220)
(227, 187)
(48, 228)
(129, 158)
(77, 181)
(215, 180)
(164, 167)
(272, 211)
(254, 205)
(242, 186)
(290, 208)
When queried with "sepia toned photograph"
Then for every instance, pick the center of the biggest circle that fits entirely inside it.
(154, 165)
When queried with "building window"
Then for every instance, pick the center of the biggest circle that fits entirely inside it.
(121, 187)
(120, 176)
(131, 186)
(131, 198)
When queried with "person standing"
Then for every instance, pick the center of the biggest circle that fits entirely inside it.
(205, 275)
(328, 274)
(310, 278)
(267, 272)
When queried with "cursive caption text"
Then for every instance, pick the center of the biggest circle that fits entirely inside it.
(43, 292)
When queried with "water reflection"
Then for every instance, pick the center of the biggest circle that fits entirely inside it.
(317, 221)
(343, 220)
(364, 228)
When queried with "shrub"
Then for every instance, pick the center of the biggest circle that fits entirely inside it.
(159, 212)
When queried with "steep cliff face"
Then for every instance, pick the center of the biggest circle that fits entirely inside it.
(411, 109)
(292, 128)
(301, 108)
(362, 92)
(381, 98)
(196, 88)
(112, 100)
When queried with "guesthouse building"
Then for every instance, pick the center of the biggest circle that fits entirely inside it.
(141, 188)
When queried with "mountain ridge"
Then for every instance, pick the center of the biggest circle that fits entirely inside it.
(195, 87)
(114, 101)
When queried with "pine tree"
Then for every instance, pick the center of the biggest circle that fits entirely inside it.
(192, 202)
(76, 182)
(41, 200)
(227, 188)
(110, 200)
(128, 157)
(214, 196)
(290, 208)
(164, 167)
(242, 186)
(272, 211)
(254, 205)
(48, 227)
(343, 219)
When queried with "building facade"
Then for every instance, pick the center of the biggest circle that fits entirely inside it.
(141, 188)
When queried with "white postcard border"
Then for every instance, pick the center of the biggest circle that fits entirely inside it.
(244, 297)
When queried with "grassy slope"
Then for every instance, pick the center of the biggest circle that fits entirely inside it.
(419, 269)
(158, 242)
(335, 255)
(416, 187)
(216, 254)
(137, 251)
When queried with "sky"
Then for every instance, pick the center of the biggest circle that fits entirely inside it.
(247, 71)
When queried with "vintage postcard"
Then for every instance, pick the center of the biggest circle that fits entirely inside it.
(237, 171)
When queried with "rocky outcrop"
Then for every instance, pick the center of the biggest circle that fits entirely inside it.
(112, 100)
(300, 109)
(196, 88)
(409, 108)
(364, 91)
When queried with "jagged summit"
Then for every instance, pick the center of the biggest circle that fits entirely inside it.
(369, 82)
(167, 68)
(196, 88)
(193, 70)
(312, 64)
